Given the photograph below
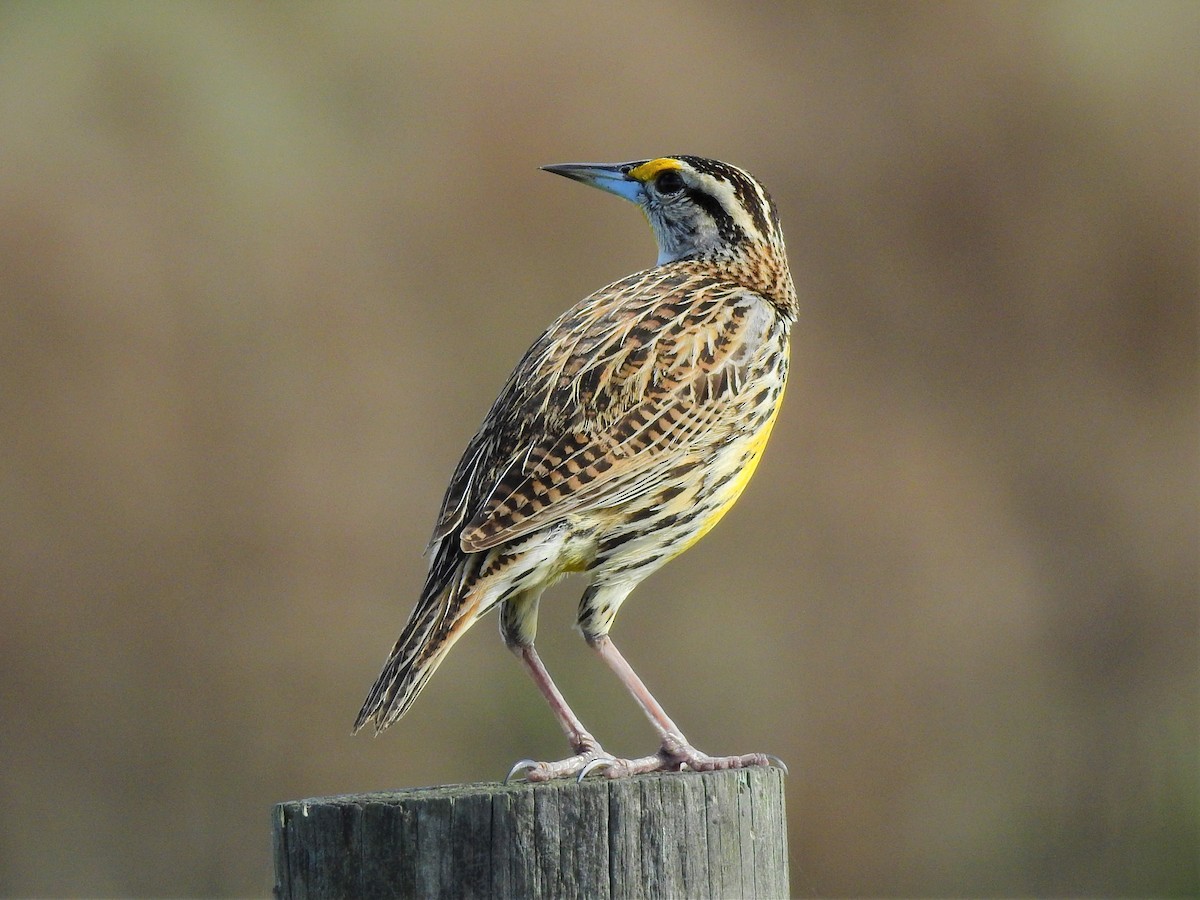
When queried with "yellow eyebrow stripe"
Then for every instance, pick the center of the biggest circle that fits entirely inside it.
(648, 170)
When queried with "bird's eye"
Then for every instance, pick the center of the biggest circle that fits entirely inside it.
(669, 182)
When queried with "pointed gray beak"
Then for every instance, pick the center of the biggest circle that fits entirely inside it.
(608, 177)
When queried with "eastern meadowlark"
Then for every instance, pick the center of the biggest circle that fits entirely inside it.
(623, 435)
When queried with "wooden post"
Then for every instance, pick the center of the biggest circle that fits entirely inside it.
(686, 834)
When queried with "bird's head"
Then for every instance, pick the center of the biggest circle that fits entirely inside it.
(699, 209)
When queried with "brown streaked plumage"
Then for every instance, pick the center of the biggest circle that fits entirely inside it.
(623, 435)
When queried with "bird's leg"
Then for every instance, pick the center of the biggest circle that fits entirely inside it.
(586, 748)
(518, 627)
(675, 752)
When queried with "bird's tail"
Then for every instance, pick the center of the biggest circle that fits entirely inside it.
(443, 613)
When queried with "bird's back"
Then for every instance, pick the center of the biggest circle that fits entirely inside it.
(643, 404)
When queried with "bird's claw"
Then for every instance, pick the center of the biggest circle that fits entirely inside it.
(670, 758)
(527, 764)
(600, 762)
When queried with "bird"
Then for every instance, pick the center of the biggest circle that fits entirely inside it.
(625, 432)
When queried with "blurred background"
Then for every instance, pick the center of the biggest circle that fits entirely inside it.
(264, 267)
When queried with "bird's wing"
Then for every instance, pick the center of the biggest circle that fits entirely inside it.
(620, 390)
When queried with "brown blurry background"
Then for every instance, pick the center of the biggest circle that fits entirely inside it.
(264, 267)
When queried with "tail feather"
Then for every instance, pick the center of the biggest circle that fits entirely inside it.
(442, 614)
(403, 674)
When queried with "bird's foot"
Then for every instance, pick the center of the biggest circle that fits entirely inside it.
(677, 755)
(588, 753)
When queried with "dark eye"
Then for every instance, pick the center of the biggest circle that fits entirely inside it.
(669, 182)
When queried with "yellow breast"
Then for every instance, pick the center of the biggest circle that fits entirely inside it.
(733, 489)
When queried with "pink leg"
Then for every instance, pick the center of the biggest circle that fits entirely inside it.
(612, 657)
(675, 753)
(586, 748)
(576, 734)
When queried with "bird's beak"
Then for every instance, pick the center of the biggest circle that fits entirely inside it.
(611, 178)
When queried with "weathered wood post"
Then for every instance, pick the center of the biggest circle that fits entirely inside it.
(687, 834)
